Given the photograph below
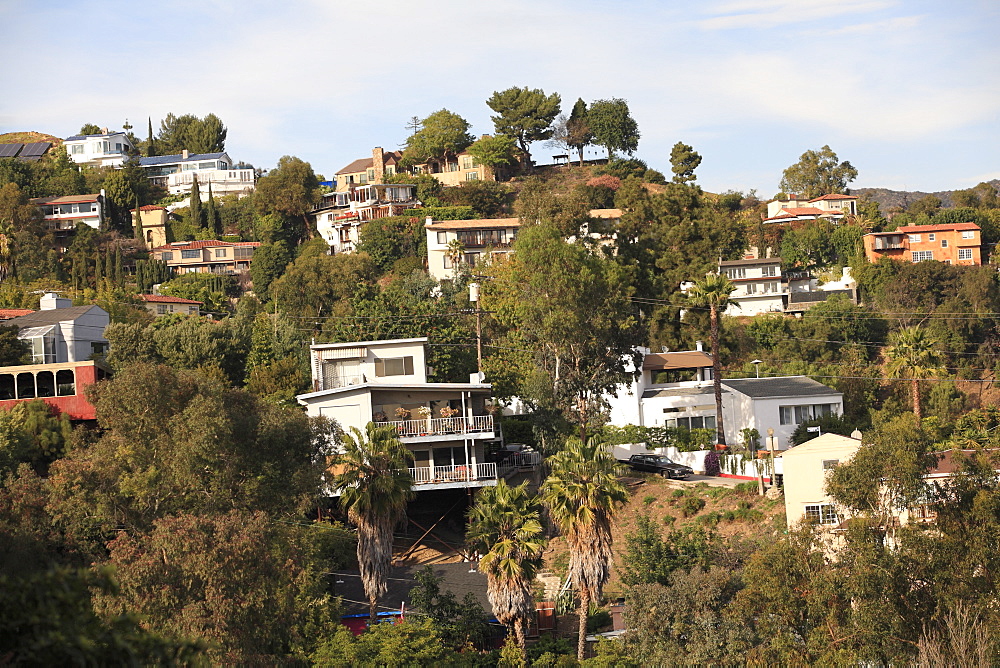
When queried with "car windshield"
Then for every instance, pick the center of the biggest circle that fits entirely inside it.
(663, 460)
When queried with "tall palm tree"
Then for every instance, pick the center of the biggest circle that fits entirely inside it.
(583, 494)
(374, 486)
(911, 355)
(504, 527)
(714, 292)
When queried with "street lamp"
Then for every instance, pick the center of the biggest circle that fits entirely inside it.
(756, 364)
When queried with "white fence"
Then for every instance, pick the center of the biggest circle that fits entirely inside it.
(439, 426)
(456, 473)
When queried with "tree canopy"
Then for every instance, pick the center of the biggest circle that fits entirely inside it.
(613, 127)
(441, 134)
(818, 173)
(197, 135)
(524, 114)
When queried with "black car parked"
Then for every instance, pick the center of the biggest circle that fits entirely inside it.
(659, 464)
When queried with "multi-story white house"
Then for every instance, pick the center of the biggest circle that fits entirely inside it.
(108, 149)
(176, 173)
(60, 332)
(831, 207)
(340, 215)
(445, 425)
(760, 286)
(674, 389)
(477, 239)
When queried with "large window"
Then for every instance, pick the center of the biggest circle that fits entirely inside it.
(770, 270)
(695, 422)
(394, 366)
(799, 414)
(736, 272)
(190, 254)
(968, 234)
(920, 256)
(243, 252)
(964, 253)
(821, 513)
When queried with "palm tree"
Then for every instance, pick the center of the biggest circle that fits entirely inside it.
(504, 526)
(714, 292)
(583, 494)
(911, 355)
(374, 486)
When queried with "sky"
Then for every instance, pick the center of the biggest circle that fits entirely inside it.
(907, 90)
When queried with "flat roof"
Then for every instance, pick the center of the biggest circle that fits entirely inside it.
(743, 263)
(302, 398)
(779, 387)
(359, 344)
(473, 224)
(681, 359)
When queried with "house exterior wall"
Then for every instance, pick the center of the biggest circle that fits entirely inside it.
(104, 150)
(480, 239)
(959, 245)
(223, 182)
(83, 334)
(805, 475)
(224, 258)
(14, 381)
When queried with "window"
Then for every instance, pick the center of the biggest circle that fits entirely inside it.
(798, 414)
(77, 149)
(968, 234)
(447, 262)
(472, 176)
(920, 256)
(769, 271)
(944, 243)
(371, 174)
(830, 464)
(964, 253)
(243, 252)
(914, 238)
(751, 288)
(220, 252)
(736, 272)
(190, 254)
(931, 237)
(161, 309)
(390, 170)
(695, 422)
(442, 237)
(166, 257)
(821, 513)
(394, 366)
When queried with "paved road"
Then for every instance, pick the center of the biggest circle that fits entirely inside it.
(709, 480)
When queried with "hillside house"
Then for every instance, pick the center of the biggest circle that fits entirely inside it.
(951, 243)
(160, 305)
(108, 149)
(59, 332)
(361, 172)
(445, 425)
(63, 214)
(805, 468)
(209, 256)
(477, 239)
(154, 225)
(340, 215)
(831, 207)
(760, 286)
(176, 173)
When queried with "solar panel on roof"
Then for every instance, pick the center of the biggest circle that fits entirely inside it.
(9, 150)
(35, 149)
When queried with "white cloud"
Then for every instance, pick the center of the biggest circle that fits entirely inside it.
(773, 13)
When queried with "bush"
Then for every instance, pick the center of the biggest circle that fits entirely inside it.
(678, 493)
(649, 500)
(598, 620)
(691, 505)
(712, 463)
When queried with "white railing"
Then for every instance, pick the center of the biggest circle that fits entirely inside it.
(423, 475)
(441, 426)
(333, 382)
(518, 461)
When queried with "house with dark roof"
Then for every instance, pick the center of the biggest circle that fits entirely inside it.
(60, 332)
(107, 149)
(340, 215)
(675, 389)
(833, 207)
(176, 173)
(451, 170)
(762, 287)
(363, 171)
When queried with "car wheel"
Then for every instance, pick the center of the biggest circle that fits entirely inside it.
(666, 474)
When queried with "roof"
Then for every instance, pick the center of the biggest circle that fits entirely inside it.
(365, 344)
(822, 442)
(474, 224)
(605, 213)
(832, 196)
(368, 386)
(106, 134)
(150, 207)
(357, 166)
(8, 313)
(178, 157)
(681, 392)
(951, 461)
(206, 243)
(164, 299)
(68, 199)
(916, 229)
(779, 386)
(51, 316)
(682, 359)
(750, 262)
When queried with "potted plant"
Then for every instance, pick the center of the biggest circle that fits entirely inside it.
(425, 414)
(402, 413)
(448, 413)
(380, 417)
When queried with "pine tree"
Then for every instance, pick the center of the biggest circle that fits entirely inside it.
(150, 145)
(211, 216)
(194, 210)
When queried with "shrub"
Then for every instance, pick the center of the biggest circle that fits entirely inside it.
(678, 493)
(597, 620)
(649, 500)
(605, 180)
(712, 463)
(691, 505)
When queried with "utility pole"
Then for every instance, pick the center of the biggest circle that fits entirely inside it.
(474, 298)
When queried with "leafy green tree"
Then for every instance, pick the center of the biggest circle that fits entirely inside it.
(683, 161)
(927, 205)
(488, 199)
(150, 142)
(252, 588)
(122, 188)
(495, 151)
(269, 262)
(58, 175)
(442, 135)
(578, 133)
(459, 622)
(290, 190)
(714, 292)
(583, 495)
(524, 114)
(194, 216)
(912, 355)
(387, 240)
(613, 127)
(197, 135)
(818, 173)
(504, 527)
(374, 485)
(414, 642)
(211, 215)
(315, 289)
(809, 246)
(90, 129)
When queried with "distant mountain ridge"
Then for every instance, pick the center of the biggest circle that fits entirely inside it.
(888, 198)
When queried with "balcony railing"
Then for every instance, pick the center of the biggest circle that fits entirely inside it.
(333, 382)
(440, 426)
(423, 475)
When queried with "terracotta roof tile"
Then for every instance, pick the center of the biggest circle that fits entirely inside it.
(916, 229)
(832, 196)
(474, 224)
(164, 299)
(209, 243)
(8, 313)
(68, 199)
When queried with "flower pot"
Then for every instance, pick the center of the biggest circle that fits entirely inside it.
(719, 447)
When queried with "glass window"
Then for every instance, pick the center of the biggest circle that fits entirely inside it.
(166, 257)
(736, 272)
(964, 253)
(65, 382)
(920, 256)
(394, 366)
(944, 243)
(769, 271)
(914, 238)
(821, 513)
(6, 386)
(46, 383)
(931, 237)
(442, 237)
(968, 234)
(161, 309)
(243, 252)
(25, 386)
(190, 254)
(472, 176)
(829, 464)
(447, 262)
(206, 165)
(220, 252)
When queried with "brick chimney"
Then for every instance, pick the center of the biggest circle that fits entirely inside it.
(378, 163)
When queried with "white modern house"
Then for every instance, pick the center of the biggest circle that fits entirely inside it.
(804, 471)
(674, 389)
(445, 425)
(108, 149)
(340, 215)
(833, 207)
(760, 286)
(60, 332)
(176, 173)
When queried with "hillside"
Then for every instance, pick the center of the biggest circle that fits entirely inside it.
(889, 198)
(28, 137)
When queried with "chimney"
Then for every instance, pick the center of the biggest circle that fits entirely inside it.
(378, 163)
(104, 131)
(51, 301)
(184, 154)
(430, 220)
(699, 346)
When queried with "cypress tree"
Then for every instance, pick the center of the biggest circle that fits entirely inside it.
(150, 146)
(211, 217)
(138, 222)
(119, 270)
(194, 209)
(97, 270)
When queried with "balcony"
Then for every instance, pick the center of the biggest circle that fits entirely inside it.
(333, 382)
(460, 473)
(477, 424)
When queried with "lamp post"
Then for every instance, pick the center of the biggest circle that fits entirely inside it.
(756, 364)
